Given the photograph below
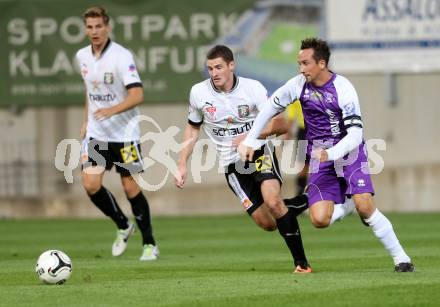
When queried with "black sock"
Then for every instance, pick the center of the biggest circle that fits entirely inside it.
(289, 230)
(106, 202)
(297, 204)
(141, 211)
(301, 182)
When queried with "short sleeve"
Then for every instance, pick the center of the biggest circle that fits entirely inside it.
(195, 116)
(77, 62)
(128, 69)
(260, 95)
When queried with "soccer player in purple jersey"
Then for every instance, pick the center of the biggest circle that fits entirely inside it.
(339, 162)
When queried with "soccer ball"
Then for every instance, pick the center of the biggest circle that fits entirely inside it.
(53, 267)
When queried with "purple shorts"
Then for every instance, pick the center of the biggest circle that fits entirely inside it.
(333, 180)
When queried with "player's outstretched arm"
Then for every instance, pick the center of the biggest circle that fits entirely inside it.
(190, 138)
(247, 147)
(278, 125)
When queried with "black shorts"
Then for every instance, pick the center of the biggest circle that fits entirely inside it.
(125, 156)
(245, 178)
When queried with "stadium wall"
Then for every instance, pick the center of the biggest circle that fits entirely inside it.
(403, 111)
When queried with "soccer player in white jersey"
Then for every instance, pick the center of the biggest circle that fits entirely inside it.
(227, 105)
(113, 90)
(335, 140)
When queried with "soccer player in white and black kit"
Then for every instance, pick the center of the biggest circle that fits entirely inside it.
(113, 90)
(227, 105)
(334, 131)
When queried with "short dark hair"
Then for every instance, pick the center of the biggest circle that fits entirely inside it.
(96, 11)
(220, 51)
(321, 50)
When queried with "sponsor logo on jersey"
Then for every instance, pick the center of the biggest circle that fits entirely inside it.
(276, 100)
(101, 98)
(210, 110)
(243, 110)
(95, 84)
(316, 96)
(132, 70)
(306, 94)
(232, 131)
(349, 108)
(84, 70)
(334, 122)
(108, 78)
(328, 97)
(263, 164)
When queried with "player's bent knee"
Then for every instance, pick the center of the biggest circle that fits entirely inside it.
(263, 219)
(271, 228)
(319, 222)
(130, 187)
(364, 204)
(91, 183)
(131, 191)
(363, 199)
(267, 226)
(91, 187)
(275, 205)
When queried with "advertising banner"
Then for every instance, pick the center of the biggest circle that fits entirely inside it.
(384, 35)
(169, 40)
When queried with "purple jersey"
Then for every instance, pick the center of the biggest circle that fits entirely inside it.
(329, 110)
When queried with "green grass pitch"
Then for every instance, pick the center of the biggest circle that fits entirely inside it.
(221, 261)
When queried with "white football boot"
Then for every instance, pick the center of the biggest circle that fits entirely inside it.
(120, 244)
(149, 252)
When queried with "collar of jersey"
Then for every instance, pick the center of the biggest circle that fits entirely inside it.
(234, 85)
(332, 78)
(103, 50)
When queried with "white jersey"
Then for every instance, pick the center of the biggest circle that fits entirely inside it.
(226, 115)
(107, 79)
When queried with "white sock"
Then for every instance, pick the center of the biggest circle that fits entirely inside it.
(342, 210)
(383, 230)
